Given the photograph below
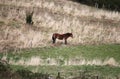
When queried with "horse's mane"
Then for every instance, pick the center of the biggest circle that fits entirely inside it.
(68, 34)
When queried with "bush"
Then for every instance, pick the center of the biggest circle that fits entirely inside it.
(29, 16)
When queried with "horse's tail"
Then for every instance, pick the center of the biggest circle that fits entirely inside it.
(53, 38)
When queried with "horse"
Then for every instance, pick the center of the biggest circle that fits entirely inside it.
(61, 37)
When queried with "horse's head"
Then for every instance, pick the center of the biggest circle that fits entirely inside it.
(70, 35)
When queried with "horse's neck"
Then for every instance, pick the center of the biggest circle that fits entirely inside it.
(66, 36)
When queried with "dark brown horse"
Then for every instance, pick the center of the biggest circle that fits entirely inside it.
(61, 37)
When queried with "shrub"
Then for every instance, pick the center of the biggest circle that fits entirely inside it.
(29, 16)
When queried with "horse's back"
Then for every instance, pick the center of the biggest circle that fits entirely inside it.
(58, 36)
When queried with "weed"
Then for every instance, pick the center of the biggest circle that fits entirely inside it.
(14, 24)
(2, 23)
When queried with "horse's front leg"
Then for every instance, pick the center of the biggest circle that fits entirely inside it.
(65, 41)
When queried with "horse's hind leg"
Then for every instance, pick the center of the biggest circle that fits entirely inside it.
(54, 39)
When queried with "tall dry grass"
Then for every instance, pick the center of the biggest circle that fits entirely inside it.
(88, 25)
(36, 61)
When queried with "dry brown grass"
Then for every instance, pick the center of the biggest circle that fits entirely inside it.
(36, 61)
(88, 25)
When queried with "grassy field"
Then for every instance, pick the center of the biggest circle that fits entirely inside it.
(95, 46)
(66, 51)
(99, 60)
(67, 71)
(66, 55)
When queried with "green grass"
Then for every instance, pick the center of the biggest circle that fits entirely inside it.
(66, 71)
(103, 71)
(88, 52)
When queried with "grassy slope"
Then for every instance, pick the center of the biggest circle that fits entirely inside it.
(92, 54)
(88, 52)
(88, 25)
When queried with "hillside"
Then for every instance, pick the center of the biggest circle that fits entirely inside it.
(88, 25)
(27, 52)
